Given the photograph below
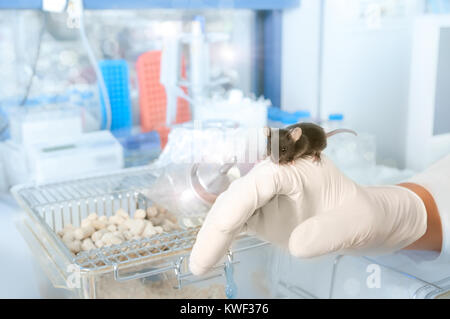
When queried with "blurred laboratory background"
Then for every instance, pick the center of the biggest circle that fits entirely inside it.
(99, 98)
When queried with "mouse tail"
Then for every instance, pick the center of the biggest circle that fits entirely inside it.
(341, 130)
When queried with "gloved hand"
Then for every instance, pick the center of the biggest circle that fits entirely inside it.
(311, 209)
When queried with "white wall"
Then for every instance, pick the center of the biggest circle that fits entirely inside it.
(442, 112)
(300, 56)
(428, 118)
(241, 40)
(366, 65)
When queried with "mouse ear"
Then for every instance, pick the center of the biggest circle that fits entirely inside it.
(266, 131)
(296, 133)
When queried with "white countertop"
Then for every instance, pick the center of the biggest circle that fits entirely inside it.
(17, 275)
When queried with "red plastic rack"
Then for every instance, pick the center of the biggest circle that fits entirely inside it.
(152, 96)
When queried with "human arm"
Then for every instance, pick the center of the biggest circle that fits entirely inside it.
(312, 209)
(432, 239)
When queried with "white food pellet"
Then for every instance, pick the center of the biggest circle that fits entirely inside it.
(99, 224)
(119, 235)
(106, 238)
(87, 244)
(92, 216)
(67, 228)
(122, 213)
(110, 239)
(86, 222)
(152, 212)
(157, 220)
(149, 230)
(99, 231)
(84, 232)
(115, 240)
(128, 235)
(137, 227)
(167, 225)
(68, 236)
(140, 214)
(116, 220)
(98, 234)
(74, 246)
(172, 218)
(161, 209)
(99, 243)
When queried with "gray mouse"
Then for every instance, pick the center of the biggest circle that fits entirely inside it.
(298, 141)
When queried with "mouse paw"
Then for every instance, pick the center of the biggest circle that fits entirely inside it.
(317, 158)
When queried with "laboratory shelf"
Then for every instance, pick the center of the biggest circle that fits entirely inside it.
(163, 4)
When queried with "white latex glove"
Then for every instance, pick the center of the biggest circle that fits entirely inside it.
(312, 209)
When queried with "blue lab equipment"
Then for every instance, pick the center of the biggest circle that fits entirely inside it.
(138, 148)
(278, 118)
(274, 116)
(303, 115)
(201, 20)
(115, 74)
(274, 113)
(336, 117)
(335, 121)
(231, 287)
(438, 6)
(289, 119)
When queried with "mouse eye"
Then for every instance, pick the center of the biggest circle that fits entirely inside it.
(283, 150)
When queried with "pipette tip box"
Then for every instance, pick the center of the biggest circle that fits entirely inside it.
(152, 96)
(115, 75)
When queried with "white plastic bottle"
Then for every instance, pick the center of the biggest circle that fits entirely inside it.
(335, 121)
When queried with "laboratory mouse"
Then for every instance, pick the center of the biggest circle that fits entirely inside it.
(299, 141)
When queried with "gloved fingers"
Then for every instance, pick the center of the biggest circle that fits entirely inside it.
(210, 249)
(229, 214)
(238, 203)
(331, 232)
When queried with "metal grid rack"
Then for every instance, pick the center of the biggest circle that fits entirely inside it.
(135, 250)
(34, 196)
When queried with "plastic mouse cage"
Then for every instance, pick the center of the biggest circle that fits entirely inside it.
(153, 267)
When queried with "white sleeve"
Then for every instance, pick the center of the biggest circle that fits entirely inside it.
(436, 179)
